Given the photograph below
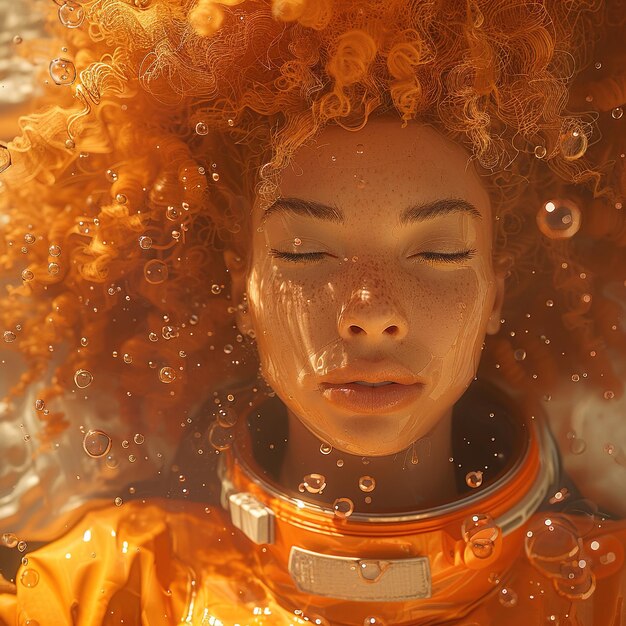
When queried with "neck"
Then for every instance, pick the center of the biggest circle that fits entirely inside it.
(406, 480)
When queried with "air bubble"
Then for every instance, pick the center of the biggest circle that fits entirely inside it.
(480, 532)
(540, 152)
(617, 113)
(326, 449)
(127, 358)
(573, 143)
(507, 597)
(220, 438)
(139, 439)
(202, 128)
(118, 501)
(215, 176)
(519, 354)
(314, 483)
(111, 176)
(120, 198)
(228, 349)
(17, 40)
(21, 546)
(559, 219)
(145, 242)
(53, 268)
(29, 578)
(577, 446)
(343, 507)
(27, 275)
(167, 375)
(40, 405)
(474, 479)
(62, 71)
(96, 443)
(29, 238)
(155, 272)
(9, 540)
(360, 148)
(83, 378)
(9, 336)
(367, 484)
(215, 289)
(609, 395)
(71, 15)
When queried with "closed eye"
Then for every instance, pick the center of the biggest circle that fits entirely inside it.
(298, 257)
(445, 257)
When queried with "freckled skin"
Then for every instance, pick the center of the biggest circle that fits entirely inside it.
(313, 317)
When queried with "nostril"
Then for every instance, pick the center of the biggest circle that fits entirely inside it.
(355, 330)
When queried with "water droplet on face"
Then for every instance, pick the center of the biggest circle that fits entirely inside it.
(62, 71)
(540, 152)
(96, 443)
(201, 128)
(9, 336)
(9, 540)
(573, 143)
(480, 532)
(367, 484)
(139, 439)
(220, 438)
(314, 483)
(507, 597)
(27, 275)
(155, 272)
(343, 507)
(474, 479)
(617, 113)
(167, 375)
(118, 501)
(559, 219)
(577, 446)
(71, 15)
(326, 449)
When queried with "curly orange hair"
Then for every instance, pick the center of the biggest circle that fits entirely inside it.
(182, 108)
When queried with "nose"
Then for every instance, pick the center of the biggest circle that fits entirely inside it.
(371, 317)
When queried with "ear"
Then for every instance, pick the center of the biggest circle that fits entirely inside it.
(493, 324)
(237, 270)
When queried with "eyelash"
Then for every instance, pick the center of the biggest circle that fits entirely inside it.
(431, 257)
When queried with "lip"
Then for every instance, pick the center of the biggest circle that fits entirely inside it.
(362, 399)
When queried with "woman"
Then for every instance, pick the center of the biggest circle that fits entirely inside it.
(337, 193)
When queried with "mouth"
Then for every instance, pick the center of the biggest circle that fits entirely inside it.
(365, 397)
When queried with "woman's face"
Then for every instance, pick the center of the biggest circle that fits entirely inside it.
(370, 285)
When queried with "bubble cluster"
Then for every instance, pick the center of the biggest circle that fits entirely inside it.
(62, 71)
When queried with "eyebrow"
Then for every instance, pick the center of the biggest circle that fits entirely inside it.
(416, 213)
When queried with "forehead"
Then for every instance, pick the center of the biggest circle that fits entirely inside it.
(382, 165)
